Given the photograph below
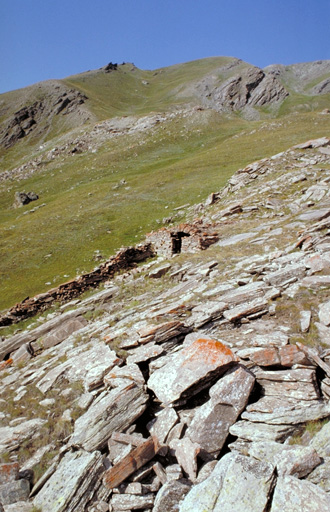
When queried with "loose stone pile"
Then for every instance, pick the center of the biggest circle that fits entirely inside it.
(197, 384)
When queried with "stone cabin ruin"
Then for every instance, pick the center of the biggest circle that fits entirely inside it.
(185, 238)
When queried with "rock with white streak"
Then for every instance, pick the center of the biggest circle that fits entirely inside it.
(111, 411)
(296, 495)
(191, 370)
(255, 308)
(70, 488)
(290, 273)
(228, 398)
(128, 502)
(305, 320)
(162, 332)
(237, 483)
(324, 313)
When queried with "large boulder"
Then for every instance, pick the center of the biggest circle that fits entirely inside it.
(237, 483)
(191, 370)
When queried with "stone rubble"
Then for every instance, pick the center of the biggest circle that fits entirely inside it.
(209, 391)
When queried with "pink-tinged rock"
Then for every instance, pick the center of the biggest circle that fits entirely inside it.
(315, 263)
(266, 357)
(291, 355)
(324, 313)
(186, 453)
(8, 472)
(191, 370)
(279, 356)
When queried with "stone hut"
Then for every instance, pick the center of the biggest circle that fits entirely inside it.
(185, 238)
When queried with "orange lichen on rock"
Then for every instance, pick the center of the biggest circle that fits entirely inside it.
(5, 364)
(209, 352)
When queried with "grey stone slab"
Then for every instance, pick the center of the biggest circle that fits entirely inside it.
(294, 383)
(12, 437)
(111, 411)
(171, 495)
(276, 411)
(165, 421)
(261, 431)
(237, 483)
(70, 487)
(299, 496)
(228, 398)
(11, 492)
(18, 340)
(128, 502)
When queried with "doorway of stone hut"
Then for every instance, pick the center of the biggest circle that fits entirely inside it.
(177, 241)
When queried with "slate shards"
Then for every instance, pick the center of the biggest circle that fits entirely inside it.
(114, 411)
(67, 489)
(191, 370)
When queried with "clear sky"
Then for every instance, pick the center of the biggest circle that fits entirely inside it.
(42, 39)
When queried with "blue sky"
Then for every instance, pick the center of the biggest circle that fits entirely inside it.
(42, 39)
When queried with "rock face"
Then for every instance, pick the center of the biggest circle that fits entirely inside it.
(251, 87)
(195, 395)
(58, 99)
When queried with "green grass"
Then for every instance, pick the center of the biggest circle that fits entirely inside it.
(179, 161)
(85, 211)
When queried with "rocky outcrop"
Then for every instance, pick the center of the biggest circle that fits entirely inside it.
(251, 87)
(201, 389)
(23, 198)
(36, 117)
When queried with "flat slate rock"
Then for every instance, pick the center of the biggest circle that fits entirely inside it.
(237, 483)
(111, 411)
(296, 495)
(228, 398)
(278, 411)
(191, 370)
(261, 431)
(67, 489)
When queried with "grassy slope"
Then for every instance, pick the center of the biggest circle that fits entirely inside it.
(180, 161)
